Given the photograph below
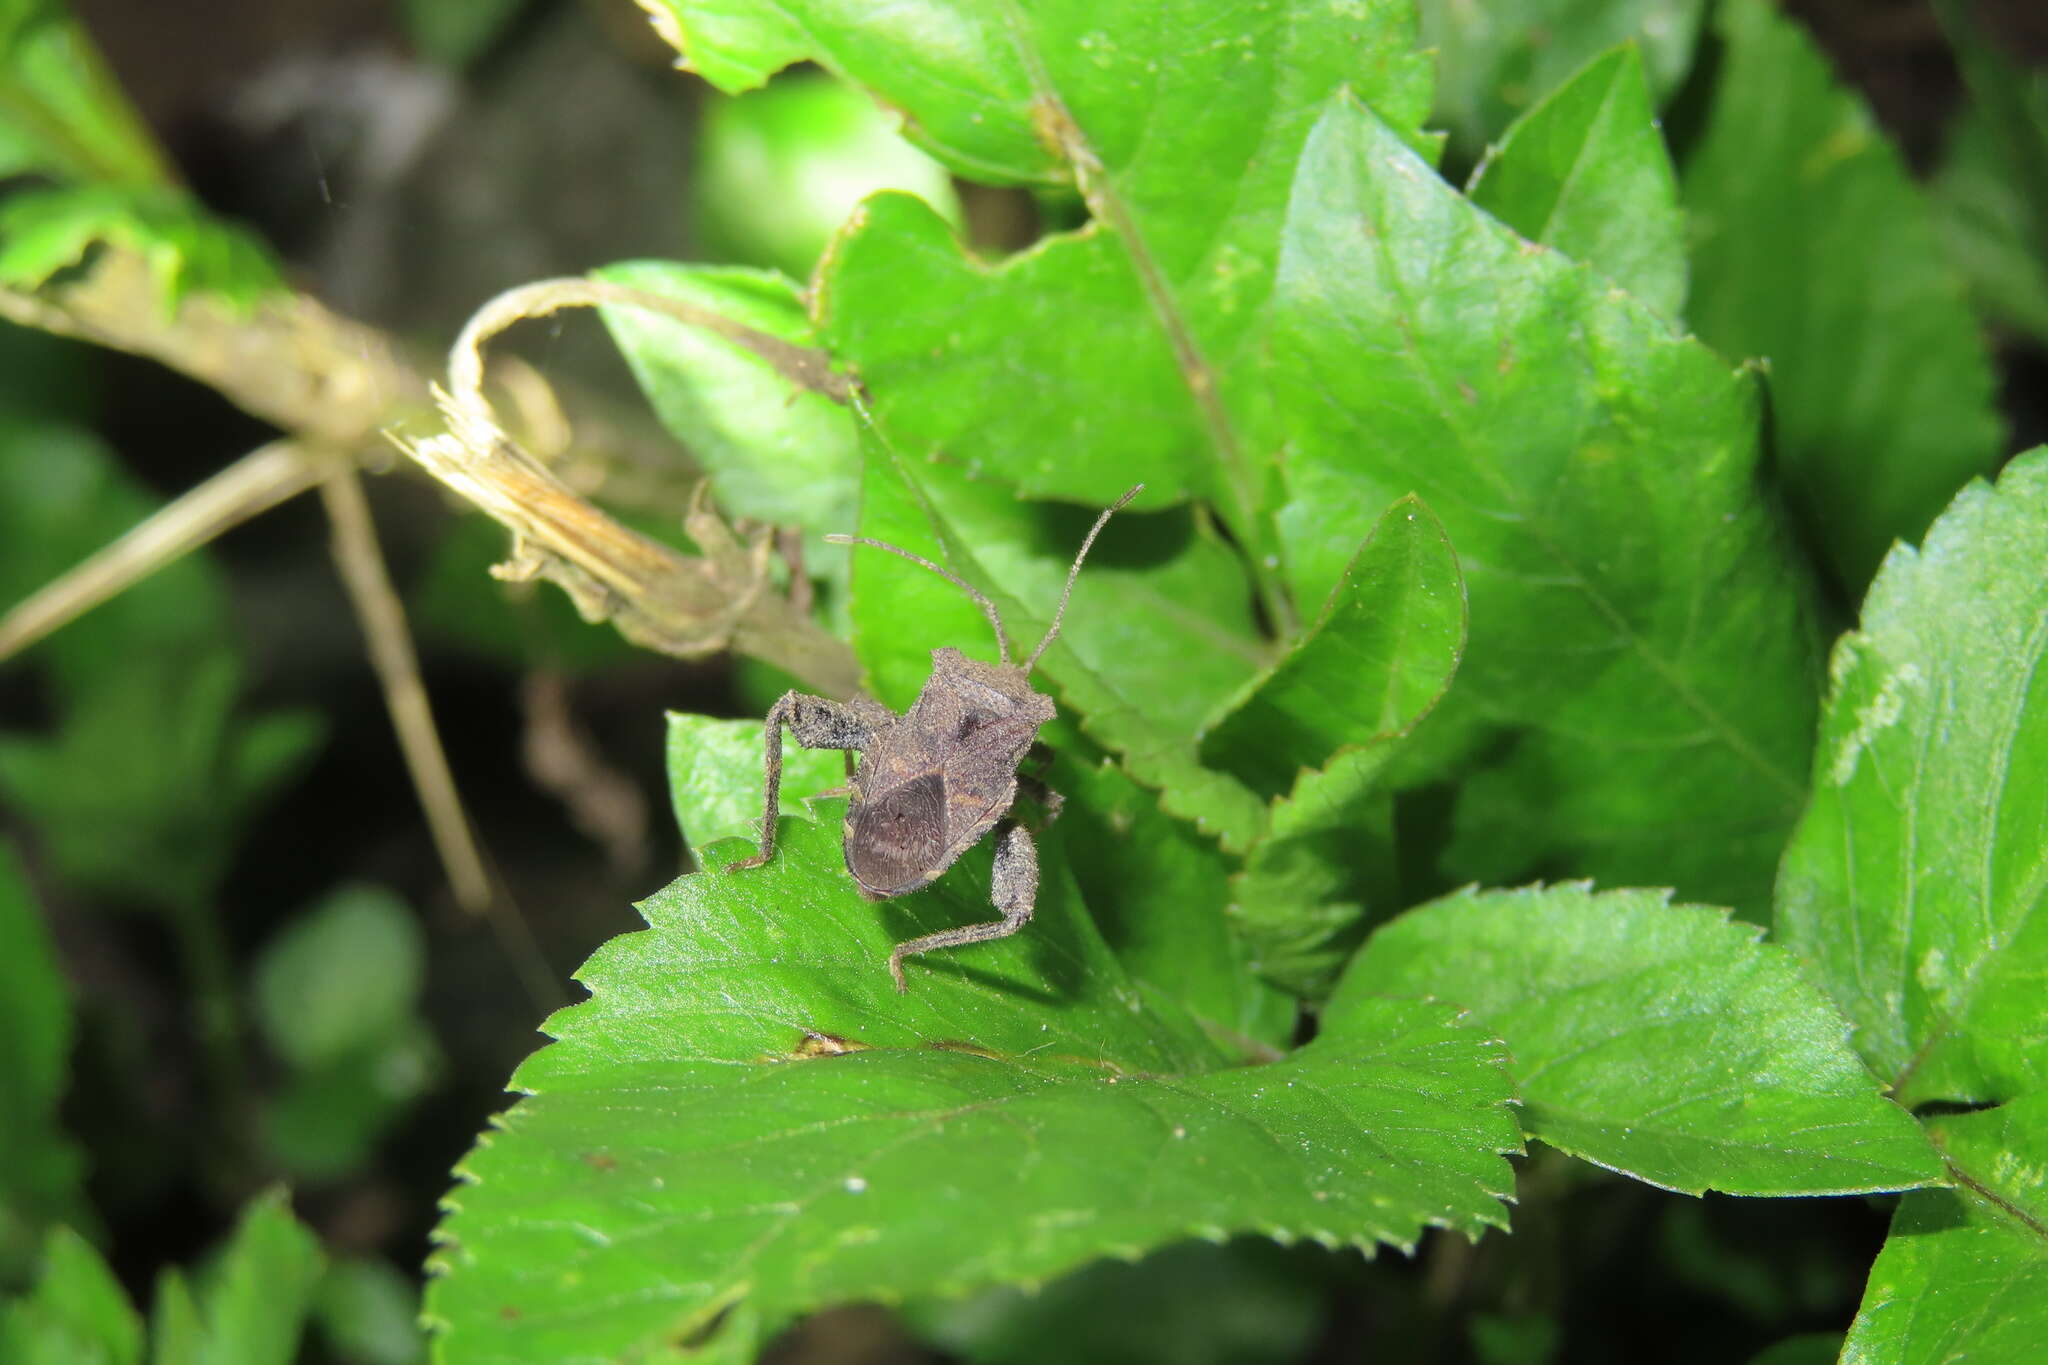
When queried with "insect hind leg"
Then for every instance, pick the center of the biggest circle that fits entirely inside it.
(1013, 887)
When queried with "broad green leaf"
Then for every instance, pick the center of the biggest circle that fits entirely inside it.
(735, 47)
(61, 112)
(1813, 249)
(1158, 632)
(716, 777)
(1304, 897)
(1915, 886)
(113, 791)
(249, 1307)
(1964, 1274)
(1376, 660)
(341, 976)
(1129, 350)
(1586, 171)
(1636, 695)
(1495, 61)
(780, 168)
(75, 1315)
(1662, 1041)
(745, 1111)
(188, 250)
(39, 1168)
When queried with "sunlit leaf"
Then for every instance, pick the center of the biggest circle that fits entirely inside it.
(1915, 884)
(1663, 1041)
(745, 1110)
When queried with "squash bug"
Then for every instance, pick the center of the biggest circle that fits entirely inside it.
(930, 783)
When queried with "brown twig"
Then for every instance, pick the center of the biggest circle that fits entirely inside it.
(251, 485)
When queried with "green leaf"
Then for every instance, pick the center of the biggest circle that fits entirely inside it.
(779, 169)
(1586, 171)
(1129, 350)
(1303, 899)
(61, 111)
(1914, 887)
(76, 1315)
(1159, 630)
(1496, 61)
(735, 47)
(1157, 890)
(1636, 696)
(456, 600)
(343, 975)
(1813, 249)
(746, 1111)
(187, 249)
(368, 1312)
(1662, 1041)
(1808, 1348)
(1191, 1303)
(455, 33)
(112, 793)
(63, 497)
(39, 1168)
(249, 1307)
(1995, 237)
(1964, 1274)
(716, 780)
(1376, 660)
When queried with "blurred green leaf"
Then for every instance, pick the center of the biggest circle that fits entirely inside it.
(1495, 61)
(1586, 171)
(187, 249)
(113, 791)
(1247, 1302)
(344, 974)
(1159, 630)
(781, 168)
(1813, 249)
(1964, 1274)
(75, 1315)
(1636, 697)
(322, 1121)
(248, 1307)
(1662, 1041)
(1995, 239)
(1379, 656)
(39, 1167)
(61, 112)
(458, 600)
(745, 1110)
(1810, 1348)
(1913, 885)
(63, 498)
(367, 1312)
(456, 32)
(716, 778)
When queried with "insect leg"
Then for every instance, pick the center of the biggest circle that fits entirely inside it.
(1013, 887)
(1049, 802)
(815, 723)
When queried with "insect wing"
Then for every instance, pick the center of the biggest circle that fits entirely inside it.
(895, 841)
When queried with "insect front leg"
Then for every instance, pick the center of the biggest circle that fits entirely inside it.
(815, 723)
(1013, 887)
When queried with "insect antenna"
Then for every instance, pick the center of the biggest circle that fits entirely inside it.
(988, 608)
(1052, 631)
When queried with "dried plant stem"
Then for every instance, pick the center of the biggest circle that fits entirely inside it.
(252, 485)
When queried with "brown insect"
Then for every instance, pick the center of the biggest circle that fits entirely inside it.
(933, 781)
